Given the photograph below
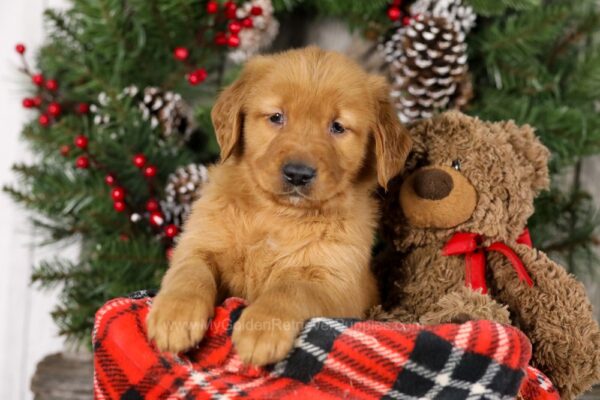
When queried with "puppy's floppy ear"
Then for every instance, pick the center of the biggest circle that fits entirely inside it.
(392, 142)
(228, 114)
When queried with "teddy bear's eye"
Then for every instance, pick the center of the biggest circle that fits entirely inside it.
(456, 165)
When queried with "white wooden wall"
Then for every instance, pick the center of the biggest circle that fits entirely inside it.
(27, 332)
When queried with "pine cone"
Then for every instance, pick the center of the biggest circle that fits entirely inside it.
(168, 111)
(183, 188)
(391, 44)
(461, 16)
(430, 68)
(164, 109)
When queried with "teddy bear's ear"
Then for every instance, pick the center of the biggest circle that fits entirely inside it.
(532, 151)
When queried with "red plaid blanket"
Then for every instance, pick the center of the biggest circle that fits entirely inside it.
(332, 358)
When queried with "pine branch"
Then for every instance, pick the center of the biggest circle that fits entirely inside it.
(488, 8)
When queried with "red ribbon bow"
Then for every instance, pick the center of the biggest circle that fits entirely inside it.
(469, 244)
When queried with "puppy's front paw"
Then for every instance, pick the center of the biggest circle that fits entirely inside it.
(261, 337)
(178, 323)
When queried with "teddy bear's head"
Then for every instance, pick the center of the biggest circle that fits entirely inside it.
(465, 175)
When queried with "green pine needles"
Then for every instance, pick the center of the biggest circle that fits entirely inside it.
(541, 67)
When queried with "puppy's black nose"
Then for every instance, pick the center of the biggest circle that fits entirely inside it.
(298, 174)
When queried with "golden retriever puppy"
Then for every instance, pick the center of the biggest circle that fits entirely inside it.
(288, 218)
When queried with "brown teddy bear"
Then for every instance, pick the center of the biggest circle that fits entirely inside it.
(456, 219)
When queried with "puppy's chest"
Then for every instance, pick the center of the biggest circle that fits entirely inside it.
(260, 248)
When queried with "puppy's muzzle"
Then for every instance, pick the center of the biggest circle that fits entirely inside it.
(298, 174)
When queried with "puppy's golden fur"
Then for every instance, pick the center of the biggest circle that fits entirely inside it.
(292, 252)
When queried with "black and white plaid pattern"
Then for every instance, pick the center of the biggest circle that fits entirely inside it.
(437, 369)
(311, 348)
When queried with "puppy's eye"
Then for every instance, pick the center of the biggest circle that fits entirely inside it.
(276, 119)
(336, 128)
(456, 165)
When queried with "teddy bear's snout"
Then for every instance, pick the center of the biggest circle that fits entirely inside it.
(437, 197)
(432, 184)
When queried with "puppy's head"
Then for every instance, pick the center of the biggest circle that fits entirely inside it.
(308, 125)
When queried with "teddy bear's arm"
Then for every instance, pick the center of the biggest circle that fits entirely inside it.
(396, 314)
(557, 317)
(465, 304)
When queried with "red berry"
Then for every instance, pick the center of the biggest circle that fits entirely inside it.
(406, 20)
(193, 79)
(230, 13)
(37, 101)
(65, 149)
(123, 237)
(38, 79)
(117, 194)
(201, 73)
(256, 10)
(82, 162)
(197, 77)
(54, 109)
(212, 7)
(152, 205)
(44, 120)
(156, 218)
(28, 103)
(247, 22)
(51, 84)
(181, 53)
(83, 108)
(169, 253)
(233, 40)
(20, 48)
(119, 206)
(230, 10)
(220, 39)
(235, 27)
(150, 171)
(81, 141)
(139, 160)
(110, 179)
(171, 230)
(394, 13)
